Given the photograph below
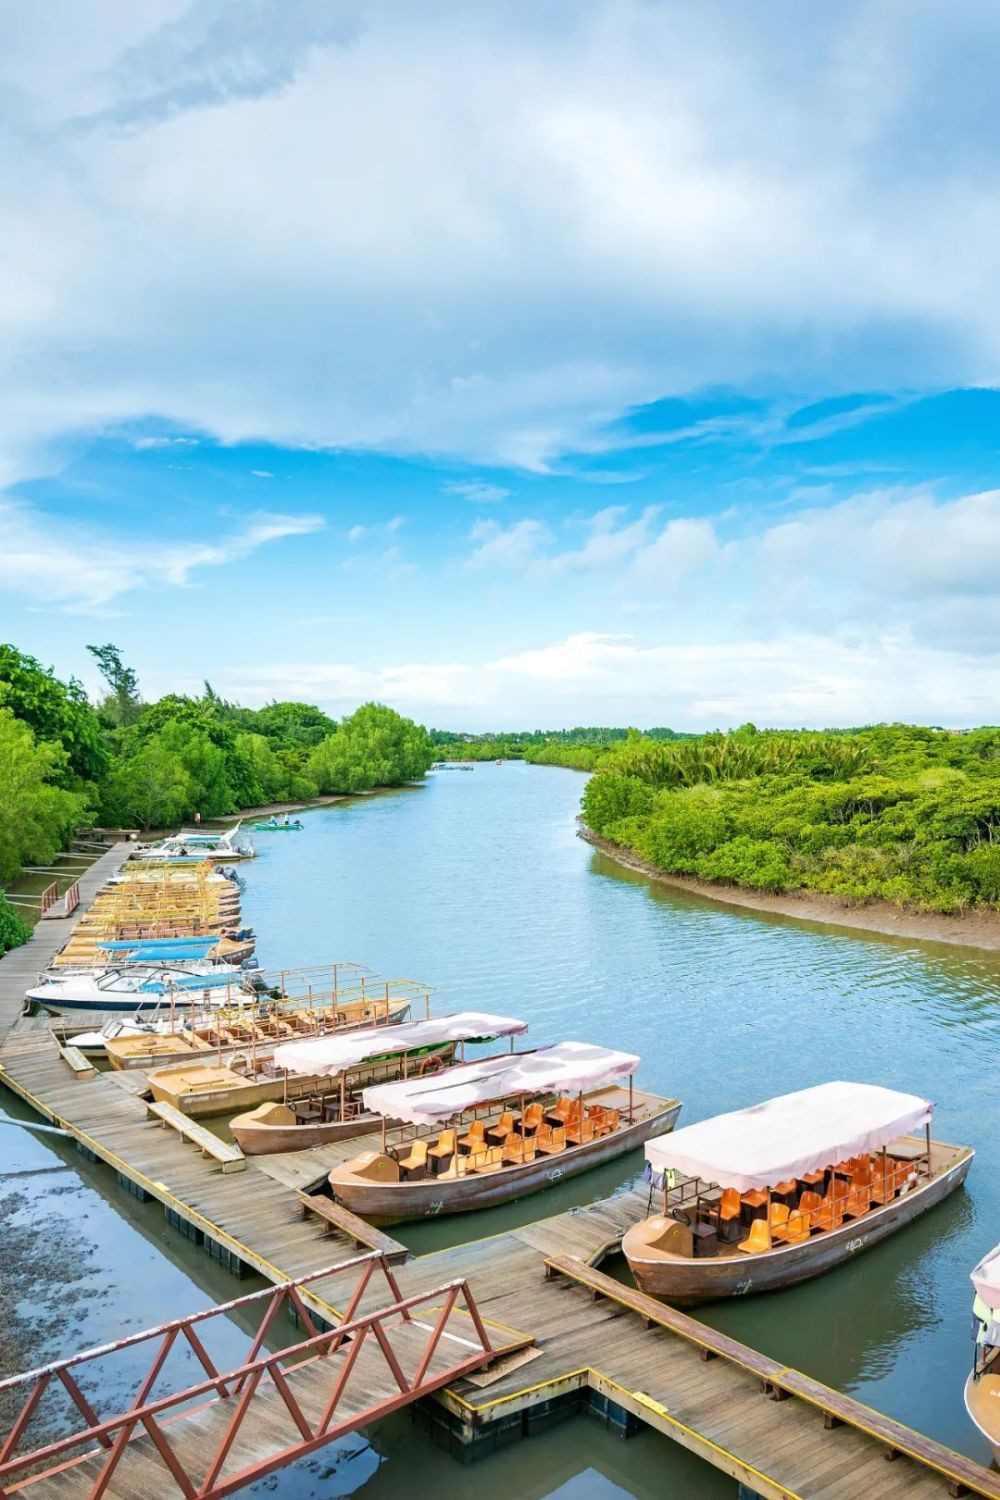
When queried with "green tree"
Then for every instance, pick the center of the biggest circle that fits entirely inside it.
(122, 706)
(150, 787)
(56, 712)
(374, 746)
(36, 814)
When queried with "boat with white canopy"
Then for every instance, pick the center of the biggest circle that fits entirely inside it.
(982, 1388)
(512, 1125)
(771, 1195)
(339, 1067)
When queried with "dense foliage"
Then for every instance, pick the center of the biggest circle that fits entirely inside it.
(904, 814)
(126, 763)
(543, 746)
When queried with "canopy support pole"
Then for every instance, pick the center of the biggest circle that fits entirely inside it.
(927, 1138)
(631, 1111)
(767, 1210)
(343, 1092)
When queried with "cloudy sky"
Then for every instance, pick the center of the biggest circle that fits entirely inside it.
(624, 361)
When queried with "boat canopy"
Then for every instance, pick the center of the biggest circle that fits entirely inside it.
(144, 945)
(332, 1054)
(986, 1278)
(567, 1068)
(788, 1136)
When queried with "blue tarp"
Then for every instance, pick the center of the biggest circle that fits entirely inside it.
(142, 945)
(187, 982)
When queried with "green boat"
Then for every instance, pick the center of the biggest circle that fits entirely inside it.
(274, 827)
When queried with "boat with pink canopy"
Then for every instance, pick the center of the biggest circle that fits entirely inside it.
(498, 1129)
(982, 1388)
(339, 1067)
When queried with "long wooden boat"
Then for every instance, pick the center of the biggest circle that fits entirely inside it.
(982, 1388)
(769, 1197)
(370, 1185)
(199, 1089)
(334, 1110)
(481, 1159)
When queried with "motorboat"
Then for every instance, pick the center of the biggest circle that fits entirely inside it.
(982, 1388)
(339, 1067)
(136, 987)
(498, 1129)
(193, 845)
(772, 1195)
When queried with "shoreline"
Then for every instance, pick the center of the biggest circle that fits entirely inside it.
(976, 929)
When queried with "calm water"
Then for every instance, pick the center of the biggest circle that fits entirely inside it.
(477, 884)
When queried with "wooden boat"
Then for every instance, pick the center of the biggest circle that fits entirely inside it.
(481, 1159)
(770, 1196)
(333, 1110)
(982, 1388)
(251, 1077)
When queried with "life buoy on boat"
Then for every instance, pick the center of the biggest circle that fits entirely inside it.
(432, 1064)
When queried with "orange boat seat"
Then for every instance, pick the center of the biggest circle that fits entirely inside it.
(758, 1239)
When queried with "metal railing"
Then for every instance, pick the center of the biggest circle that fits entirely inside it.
(327, 1356)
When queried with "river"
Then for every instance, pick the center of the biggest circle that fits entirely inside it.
(477, 884)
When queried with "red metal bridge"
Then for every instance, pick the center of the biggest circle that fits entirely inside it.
(235, 1425)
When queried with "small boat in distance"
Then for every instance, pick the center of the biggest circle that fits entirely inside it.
(275, 825)
(340, 1066)
(982, 1388)
(512, 1125)
(769, 1196)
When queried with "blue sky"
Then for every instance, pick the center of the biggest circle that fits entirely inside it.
(621, 363)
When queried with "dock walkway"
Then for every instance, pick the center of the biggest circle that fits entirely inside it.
(20, 967)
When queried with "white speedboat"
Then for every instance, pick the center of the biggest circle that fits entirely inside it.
(192, 845)
(135, 987)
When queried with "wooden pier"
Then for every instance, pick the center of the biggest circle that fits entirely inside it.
(586, 1341)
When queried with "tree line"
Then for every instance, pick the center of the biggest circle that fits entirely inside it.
(892, 812)
(67, 763)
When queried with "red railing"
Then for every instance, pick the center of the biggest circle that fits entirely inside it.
(49, 897)
(320, 1365)
(71, 900)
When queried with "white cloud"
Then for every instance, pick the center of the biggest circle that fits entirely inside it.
(80, 569)
(478, 491)
(507, 547)
(142, 443)
(376, 530)
(797, 679)
(209, 216)
(262, 473)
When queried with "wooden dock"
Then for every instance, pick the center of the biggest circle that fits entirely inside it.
(597, 1344)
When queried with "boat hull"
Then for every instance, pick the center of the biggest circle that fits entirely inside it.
(980, 1398)
(400, 1202)
(257, 1139)
(686, 1283)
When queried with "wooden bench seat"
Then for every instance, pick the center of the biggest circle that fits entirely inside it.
(335, 1216)
(230, 1158)
(82, 1066)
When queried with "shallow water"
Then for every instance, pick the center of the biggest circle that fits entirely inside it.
(476, 883)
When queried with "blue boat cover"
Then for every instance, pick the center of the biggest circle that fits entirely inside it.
(186, 982)
(141, 945)
(168, 955)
